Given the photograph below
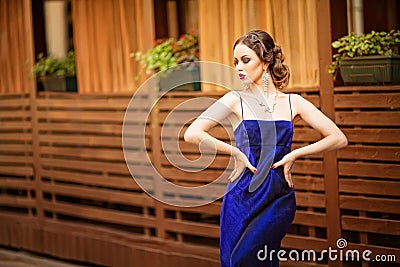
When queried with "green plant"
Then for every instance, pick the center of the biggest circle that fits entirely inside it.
(370, 44)
(169, 53)
(53, 66)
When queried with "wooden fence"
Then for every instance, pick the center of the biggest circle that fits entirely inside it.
(66, 191)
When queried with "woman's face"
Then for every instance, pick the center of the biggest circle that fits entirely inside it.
(248, 64)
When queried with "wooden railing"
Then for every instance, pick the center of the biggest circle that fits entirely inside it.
(66, 191)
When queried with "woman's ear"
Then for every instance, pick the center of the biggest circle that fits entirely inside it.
(265, 67)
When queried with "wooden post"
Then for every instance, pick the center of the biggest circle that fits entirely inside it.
(156, 161)
(30, 83)
(328, 107)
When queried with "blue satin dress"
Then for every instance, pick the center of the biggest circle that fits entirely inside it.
(254, 219)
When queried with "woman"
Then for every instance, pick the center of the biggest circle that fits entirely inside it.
(259, 207)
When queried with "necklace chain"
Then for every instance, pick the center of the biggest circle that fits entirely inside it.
(266, 107)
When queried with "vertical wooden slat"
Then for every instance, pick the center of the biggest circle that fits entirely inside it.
(25, 62)
(156, 161)
(8, 29)
(125, 71)
(3, 45)
(28, 33)
(15, 45)
(327, 106)
(81, 44)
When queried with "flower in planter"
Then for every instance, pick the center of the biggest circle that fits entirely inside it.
(57, 74)
(169, 53)
(373, 43)
(53, 66)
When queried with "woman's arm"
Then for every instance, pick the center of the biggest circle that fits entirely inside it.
(216, 113)
(333, 137)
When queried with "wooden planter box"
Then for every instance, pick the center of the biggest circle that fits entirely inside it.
(63, 83)
(182, 76)
(371, 70)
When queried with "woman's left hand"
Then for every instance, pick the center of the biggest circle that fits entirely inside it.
(287, 162)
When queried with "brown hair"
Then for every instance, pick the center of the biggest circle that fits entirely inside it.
(269, 52)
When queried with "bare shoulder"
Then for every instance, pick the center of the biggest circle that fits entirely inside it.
(298, 101)
(231, 98)
(296, 98)
(302, 106)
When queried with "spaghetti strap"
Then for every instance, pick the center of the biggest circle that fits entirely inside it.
(290, 106)
(241, 104)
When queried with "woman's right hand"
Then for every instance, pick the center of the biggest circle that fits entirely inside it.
(241, 162)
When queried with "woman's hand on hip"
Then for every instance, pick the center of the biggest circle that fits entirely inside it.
(241, 162)
(287, 163)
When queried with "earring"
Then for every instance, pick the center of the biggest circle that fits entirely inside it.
(265, 79)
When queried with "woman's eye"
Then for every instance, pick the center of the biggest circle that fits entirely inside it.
(246, 60)
(235, 62)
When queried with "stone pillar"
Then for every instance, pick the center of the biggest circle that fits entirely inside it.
(358, 16)
(56, 22)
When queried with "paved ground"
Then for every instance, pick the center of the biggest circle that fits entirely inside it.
(11, 258)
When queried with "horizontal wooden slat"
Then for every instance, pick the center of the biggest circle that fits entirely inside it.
(368, 101)
(86, 165)
(14, 102)
(91, 179)
(370, 204)
(199, 104)
(192, 228)
(301, 166)
(309, 218)
(21, 148)
(16, 183)
(82, 103)
(25, 137)
(359, 88)
(304, 242)
(310, 157)
(207, 175)
(371, 225)
(219, 162)
(169, 131)
(109, 195)
(99, 214)
(174, 146)
(304, 134)
(12, 159)
(307, 167)
(210, 193)
(17, 201)
(368, 135)
(308, 183)
(362, 186)
(373, 118)
(15, 114)
(370, 170)
(98, 128)
(179, 117)
(93, 116)
(379, 153)
(306, 199)
(89, 140)
(91, 153)
(15, 125)
(16, 170)
(213, 208)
